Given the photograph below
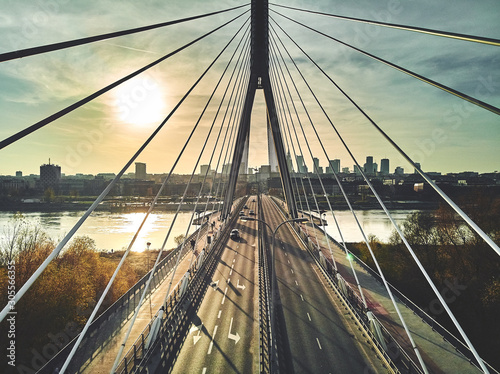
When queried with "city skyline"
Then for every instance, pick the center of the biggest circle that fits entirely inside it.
(435, 129)
(384, 168)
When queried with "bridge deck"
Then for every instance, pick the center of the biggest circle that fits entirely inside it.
(438, 354)
(103, 362)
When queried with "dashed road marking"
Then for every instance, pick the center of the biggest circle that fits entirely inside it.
(224, 298)
(308, 316)
(204, 371)
(302, 297)
(296, 283)
(231, 272)
(218, 315)
(319, 345)
(212, 341)
(291, 270)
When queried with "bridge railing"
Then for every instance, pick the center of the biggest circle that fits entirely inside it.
(435, 326)
(351, 301)
(354, 304)
(264, 300)
(107, 325)
(176, 320)
(136, 351)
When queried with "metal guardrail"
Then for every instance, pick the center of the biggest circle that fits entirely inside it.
(113, 318)
(351, 302)
(174, 327)
(136, 352)
(435, 326)
(264, 299)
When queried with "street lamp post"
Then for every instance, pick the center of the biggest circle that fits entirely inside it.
(273, 283)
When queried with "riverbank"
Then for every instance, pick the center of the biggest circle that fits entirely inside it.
(142, 207)
(19, 206)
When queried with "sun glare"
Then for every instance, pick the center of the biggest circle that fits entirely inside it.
(140, 101)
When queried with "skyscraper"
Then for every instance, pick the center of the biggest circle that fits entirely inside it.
(140, 170)
(50, 176)
(316, 167)
(384, 166)
(300, 162)
(204, 169)
(368, 167)
(335, 165)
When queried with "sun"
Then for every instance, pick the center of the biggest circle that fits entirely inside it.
(140, 101)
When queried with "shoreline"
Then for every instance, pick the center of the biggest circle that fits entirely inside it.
(21, 207)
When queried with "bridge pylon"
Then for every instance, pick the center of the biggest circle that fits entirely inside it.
(259, 79)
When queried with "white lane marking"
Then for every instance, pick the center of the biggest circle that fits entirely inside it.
(212, 341)
(220, 312)
(308, 316)
(302, 297)
(319, 345)
(296, 283)
(235, 337)
(285, 253)
(224, 298)
(288, 261)
(204, 371)
(234, 259)
(231, 272)
(242, 286)
(291, 270)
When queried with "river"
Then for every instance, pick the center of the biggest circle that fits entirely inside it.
(373, 222)
(109, 230)
(116, 230)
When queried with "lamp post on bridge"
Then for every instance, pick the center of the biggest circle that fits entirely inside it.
(273, 282)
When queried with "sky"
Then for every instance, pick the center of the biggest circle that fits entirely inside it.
(436, 129)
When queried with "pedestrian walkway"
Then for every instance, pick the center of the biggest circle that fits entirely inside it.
(103, 362)
(438, 355)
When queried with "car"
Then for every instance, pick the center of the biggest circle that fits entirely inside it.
(253, 200)
(235, 234)
(245, 207)
(242, 213)
(251, 212)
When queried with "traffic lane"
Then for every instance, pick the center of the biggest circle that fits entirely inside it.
(214, 343)
(318, 330)
(239, 311)
(205, 325)
(318, 337)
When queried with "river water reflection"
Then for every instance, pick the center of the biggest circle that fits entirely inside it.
(116, 230)
(372, 221)
(110, 230)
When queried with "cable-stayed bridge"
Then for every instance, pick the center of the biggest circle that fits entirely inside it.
(280, 295)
